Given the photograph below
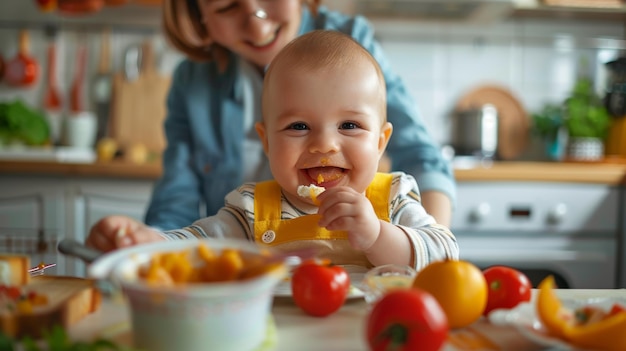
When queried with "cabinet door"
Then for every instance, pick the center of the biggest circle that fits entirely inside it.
(32, 218)
(94, 199)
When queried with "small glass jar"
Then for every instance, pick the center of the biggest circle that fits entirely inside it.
(379, 280)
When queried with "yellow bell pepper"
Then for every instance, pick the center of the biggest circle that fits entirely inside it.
(550, 309)
(608, 334)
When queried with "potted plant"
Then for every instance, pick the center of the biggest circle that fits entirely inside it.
(549, 125)
(587, 122)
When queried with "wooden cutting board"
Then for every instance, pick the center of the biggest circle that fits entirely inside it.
(138, 109)
(69, 300)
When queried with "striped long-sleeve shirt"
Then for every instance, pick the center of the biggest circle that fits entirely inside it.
(429, 240)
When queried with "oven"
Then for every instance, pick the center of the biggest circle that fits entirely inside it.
(569, 230)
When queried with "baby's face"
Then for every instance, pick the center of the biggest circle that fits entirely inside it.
(324, 126)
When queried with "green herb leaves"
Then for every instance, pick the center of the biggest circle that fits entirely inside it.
(586, 114)
(58, 340)
(19, 123)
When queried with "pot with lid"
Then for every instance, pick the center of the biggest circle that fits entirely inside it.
(475, 131)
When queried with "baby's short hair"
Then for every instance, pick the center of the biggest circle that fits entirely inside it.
(320, 49)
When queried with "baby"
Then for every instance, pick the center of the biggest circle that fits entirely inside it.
(324, 124)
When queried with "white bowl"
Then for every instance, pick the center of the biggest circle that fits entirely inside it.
(192, 317)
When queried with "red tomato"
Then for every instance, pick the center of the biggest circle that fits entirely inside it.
(319, 288)
(508, 287)
(406, 320)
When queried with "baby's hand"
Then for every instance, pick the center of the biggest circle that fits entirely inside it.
(342, 208)
(114, 232)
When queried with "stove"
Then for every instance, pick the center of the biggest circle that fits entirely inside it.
(569, 230)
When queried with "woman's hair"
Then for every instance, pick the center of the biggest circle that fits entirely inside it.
(186, 31)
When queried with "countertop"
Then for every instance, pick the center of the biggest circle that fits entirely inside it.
(112, 169)
(610, 173)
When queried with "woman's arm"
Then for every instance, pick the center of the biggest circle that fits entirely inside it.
(438, 205)
(176, 196)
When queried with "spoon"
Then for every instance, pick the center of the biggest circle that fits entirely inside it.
(73, 248)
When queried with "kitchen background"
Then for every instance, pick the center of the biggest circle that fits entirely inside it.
(537, 58)
(525, 214)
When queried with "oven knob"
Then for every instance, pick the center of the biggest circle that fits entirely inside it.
(479, 213)
(557, 214)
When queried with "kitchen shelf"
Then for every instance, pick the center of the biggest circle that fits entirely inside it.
(538, 9)
(25, 15)
(98, 169)
(569, 14)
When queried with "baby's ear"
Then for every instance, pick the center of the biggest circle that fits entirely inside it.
(385, 135)
(260, 129)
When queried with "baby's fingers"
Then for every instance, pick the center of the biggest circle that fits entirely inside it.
(138, 234)
(100, 241)
(104, 235)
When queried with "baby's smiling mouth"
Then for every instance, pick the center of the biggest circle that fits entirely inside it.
(321, 175)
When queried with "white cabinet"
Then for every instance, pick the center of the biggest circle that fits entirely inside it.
(93, 199)
(32, 217)
(37, 211)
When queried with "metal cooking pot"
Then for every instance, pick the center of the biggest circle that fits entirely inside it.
(475, 132)
(615, 98)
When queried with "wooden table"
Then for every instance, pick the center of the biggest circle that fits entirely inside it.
(343, 330)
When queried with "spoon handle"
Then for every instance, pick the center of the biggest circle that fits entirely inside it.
(73, 248)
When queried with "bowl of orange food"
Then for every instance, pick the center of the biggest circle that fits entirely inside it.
(195, 294)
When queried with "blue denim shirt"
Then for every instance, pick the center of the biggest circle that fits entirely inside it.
(203, 158)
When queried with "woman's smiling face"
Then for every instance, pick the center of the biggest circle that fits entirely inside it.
(324, 126)
(258, 39)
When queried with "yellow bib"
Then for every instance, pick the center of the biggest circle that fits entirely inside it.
(291, 234)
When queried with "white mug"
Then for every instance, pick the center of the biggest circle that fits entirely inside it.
(80, 129)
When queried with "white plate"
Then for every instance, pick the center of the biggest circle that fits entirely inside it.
(525, 319)
(283, 289)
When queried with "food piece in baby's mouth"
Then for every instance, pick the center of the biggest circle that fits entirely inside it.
(320, 178)
(310, 191)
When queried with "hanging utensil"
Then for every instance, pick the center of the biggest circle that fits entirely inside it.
(102, 87)
(52, 101)
(46, 5)
(76, 93)
(132, 62)
(79, 7)
(113, 3)
(52, 97)
(149, 2)
(2, 67)
(23, 69)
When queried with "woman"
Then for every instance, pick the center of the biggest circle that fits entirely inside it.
(214, 102)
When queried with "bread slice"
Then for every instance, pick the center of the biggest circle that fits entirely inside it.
(14, 269)
(70, 299)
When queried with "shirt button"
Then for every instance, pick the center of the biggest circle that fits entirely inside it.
(268, 236)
